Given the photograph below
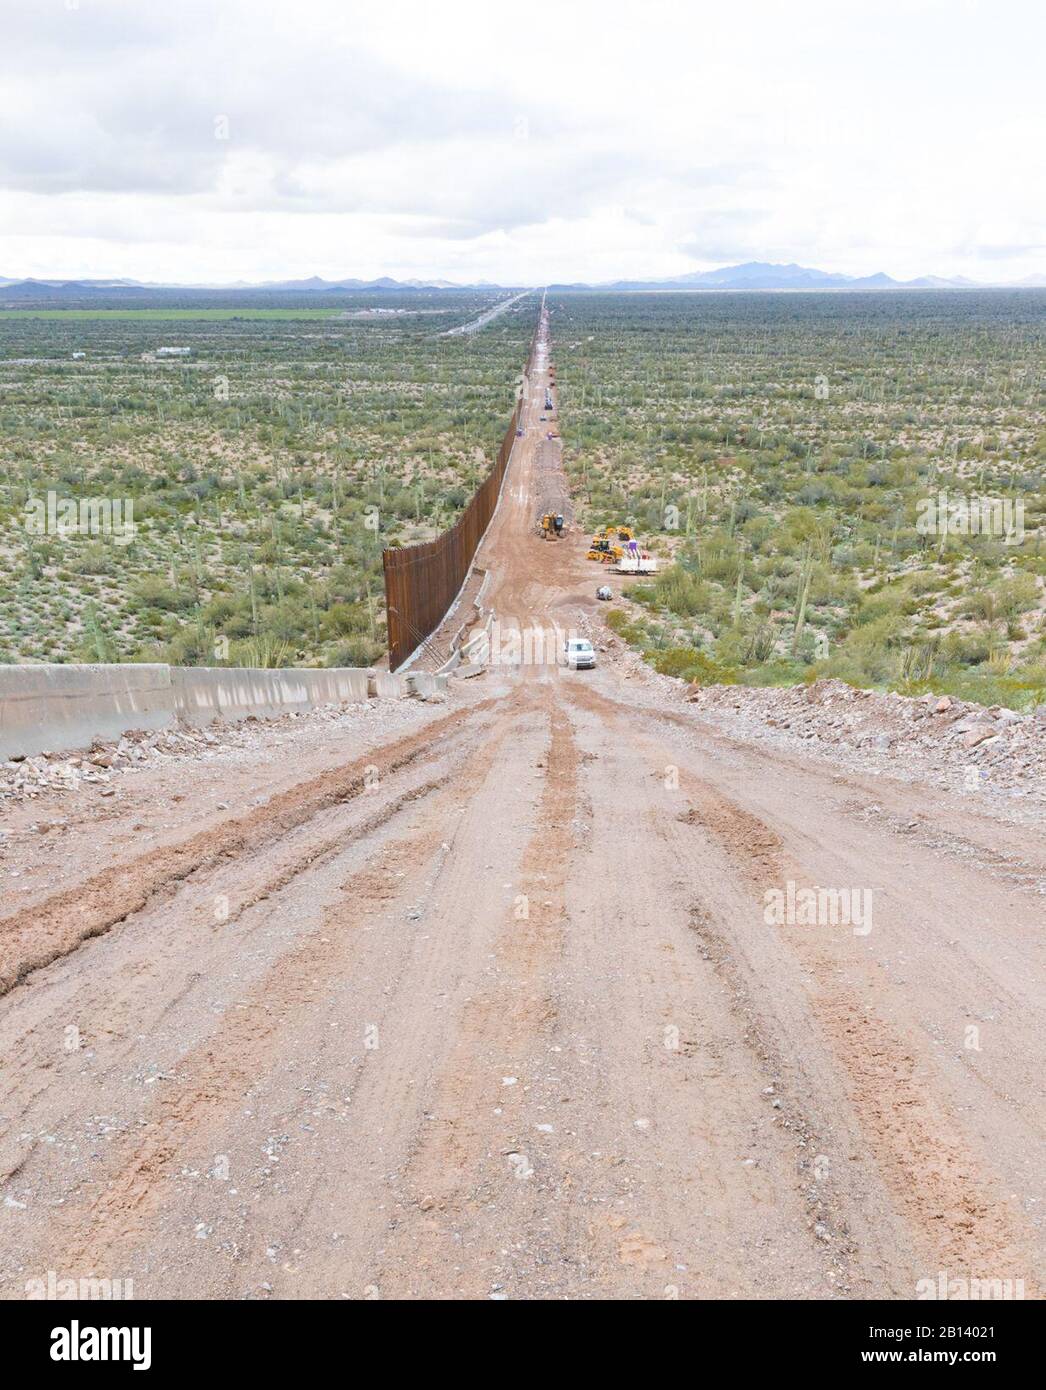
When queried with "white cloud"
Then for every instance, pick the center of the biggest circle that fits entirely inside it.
(471, 140)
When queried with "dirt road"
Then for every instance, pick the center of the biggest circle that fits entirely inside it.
(488, 1005)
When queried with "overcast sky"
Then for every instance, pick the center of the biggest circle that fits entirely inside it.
(244, 139)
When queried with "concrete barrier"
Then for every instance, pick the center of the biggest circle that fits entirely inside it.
(202, 694)
(425, 684)
(58, 708)
(472, 656)
(463, 650)
(385, 686)
(55, 708)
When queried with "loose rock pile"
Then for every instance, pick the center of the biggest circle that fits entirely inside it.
(933, 738)
(27, 778)
(964, 745)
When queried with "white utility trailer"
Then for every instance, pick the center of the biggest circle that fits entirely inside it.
(636, 564)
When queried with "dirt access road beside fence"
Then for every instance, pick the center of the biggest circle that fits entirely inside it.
(492, 1008)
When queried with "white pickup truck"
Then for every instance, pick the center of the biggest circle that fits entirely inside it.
(579, 653)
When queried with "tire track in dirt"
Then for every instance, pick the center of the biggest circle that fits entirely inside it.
(468, 1172)
(936, 1180)
(959, 1221)
(682, 1209)
(57, 926)
(215, 1078)
(811, 1182)
(107, 1000)
(1025, 867)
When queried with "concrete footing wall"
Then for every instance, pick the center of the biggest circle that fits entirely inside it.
(59, 708)
(202, 694)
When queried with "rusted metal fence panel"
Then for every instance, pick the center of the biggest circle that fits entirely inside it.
(422, 581)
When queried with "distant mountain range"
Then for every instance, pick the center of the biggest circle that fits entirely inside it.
(33, 289)
(752, 275)
(761, 275)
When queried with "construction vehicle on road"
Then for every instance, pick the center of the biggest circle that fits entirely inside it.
(550, 526)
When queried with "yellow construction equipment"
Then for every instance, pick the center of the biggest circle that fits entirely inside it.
(550, 526)
(601, 547)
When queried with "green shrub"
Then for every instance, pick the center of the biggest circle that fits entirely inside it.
(359, 651)
(153, 592)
